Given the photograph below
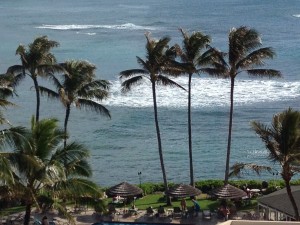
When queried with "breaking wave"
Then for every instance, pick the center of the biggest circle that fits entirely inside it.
(206, 92)
(125, 26)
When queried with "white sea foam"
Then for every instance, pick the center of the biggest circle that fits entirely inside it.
(125, 26)
(86, 33)
(296, 15)
(206, 92)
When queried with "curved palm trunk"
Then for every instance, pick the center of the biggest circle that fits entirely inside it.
(159, 141)
(27, 214)
(229, 131)
(36, 86)
(287, 177)
(68, 109)
(190, 132)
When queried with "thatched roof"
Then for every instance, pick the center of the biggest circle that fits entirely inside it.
(183, 190)
(124, 189)
(229, 192)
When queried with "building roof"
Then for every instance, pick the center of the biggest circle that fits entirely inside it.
(280, 201)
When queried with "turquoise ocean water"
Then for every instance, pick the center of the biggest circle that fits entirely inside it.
(110, 33)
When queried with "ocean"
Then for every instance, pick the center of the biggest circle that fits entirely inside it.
(110, 34)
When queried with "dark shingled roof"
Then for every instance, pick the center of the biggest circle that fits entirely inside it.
(183, 190)
(280, 201)
(229, 192)
(124, 189)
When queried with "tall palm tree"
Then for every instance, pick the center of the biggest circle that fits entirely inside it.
(192, 57)
(78, 86)
(282, 140)
(37, 162)
(158, 56)
(37, 60)
(244, 56)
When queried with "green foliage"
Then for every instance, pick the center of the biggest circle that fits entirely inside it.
(207, 185)
(100, 206)
(45, 202)
(150, 188)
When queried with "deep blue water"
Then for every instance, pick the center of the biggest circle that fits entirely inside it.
(110, 34)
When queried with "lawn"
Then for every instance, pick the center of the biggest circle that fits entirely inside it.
(156, 200)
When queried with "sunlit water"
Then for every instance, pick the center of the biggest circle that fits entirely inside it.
(111, 33)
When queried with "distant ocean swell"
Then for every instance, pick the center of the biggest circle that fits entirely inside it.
(125, 26)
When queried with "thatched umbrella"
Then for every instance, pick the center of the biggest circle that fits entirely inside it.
(228, 192)
(124, 190)
(183, 190)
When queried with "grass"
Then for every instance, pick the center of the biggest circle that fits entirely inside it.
(156, 200)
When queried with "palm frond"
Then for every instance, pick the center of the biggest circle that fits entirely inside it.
(92, 105)
(264, 73)
(6, 172)
(132, 72)
(55, 81)
(127, 84)
(256, 58)
(15, 69)
(50, 93)
(72, 152)
(161, 45)
(165, 81)
(144, 64)
(237, 168)
(95, 89)
(175, 68)
(46, 69)
(216, 72)
(14, 136)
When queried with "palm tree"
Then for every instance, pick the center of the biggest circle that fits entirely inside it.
(282, 140)
(37, 60)
(78, 86)
(157, 61)
(244, 56)
(192, 58)
(37, 162)
(6, 90)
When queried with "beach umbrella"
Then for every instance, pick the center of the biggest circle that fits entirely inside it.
(228, 192)
(183, 190)
(124, 190)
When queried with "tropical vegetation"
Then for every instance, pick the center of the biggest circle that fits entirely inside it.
(157, 63)
(282, 140)
(78, 86)
(36, 60)
(245, 55)
(39, 165)
(35, 161)
(191, 59)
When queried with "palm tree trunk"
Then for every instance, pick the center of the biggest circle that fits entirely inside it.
(68, 109)
(27, 214)
(159, 142)
(190, 132)
(229, 131)
(286, 177)
(36, 86)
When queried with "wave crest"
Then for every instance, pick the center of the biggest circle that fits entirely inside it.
(125, 26)
(206, 92)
